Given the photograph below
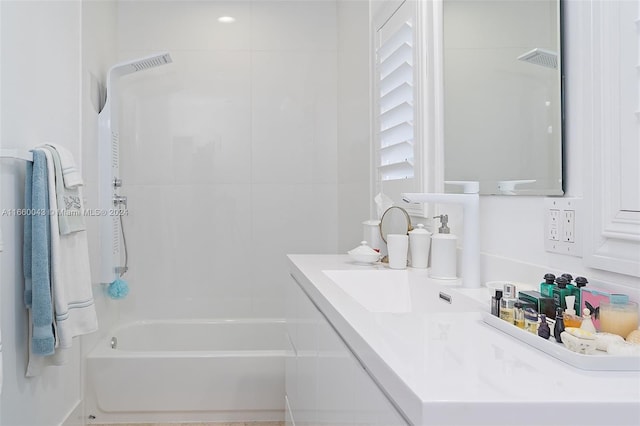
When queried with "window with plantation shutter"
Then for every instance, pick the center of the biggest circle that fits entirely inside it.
(396, 95)
(395, 105)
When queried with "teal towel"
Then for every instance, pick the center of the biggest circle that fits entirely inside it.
(43, 342)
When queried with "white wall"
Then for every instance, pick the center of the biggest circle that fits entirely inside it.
(228, 155)
(40, 102)
(353, 121)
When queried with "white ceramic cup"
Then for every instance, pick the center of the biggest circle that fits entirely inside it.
(398, 247)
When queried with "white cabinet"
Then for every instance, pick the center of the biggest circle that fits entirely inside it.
(607, 78)
(325, 383)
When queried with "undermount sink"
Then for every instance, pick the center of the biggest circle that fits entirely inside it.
(398, 291)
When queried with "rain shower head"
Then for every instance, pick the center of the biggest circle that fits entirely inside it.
(542, 57)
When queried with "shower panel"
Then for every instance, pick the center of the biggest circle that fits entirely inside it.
(110, 201)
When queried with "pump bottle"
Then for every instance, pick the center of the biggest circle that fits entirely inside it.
(443, 252)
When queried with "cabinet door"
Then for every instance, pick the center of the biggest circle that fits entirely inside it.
(302, 319)
(371, 406)
(325, 383)
(611, 105)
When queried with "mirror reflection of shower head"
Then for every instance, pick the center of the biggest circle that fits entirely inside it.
(542, 57)
(140, 64)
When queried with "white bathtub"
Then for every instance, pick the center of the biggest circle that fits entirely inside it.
(188, 370)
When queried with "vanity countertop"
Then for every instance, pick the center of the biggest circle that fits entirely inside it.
(450, 368)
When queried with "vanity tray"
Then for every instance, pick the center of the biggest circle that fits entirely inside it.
(600, 361)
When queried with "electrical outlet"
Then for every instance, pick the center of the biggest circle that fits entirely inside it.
(569, 226)
(553, 224)
(562, 226)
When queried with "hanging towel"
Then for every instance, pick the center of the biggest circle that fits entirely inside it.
(70, 211)
(40, 299)
(70, 172)
(75, 312)
(70, 285)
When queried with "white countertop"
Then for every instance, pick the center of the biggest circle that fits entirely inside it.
(452, 368)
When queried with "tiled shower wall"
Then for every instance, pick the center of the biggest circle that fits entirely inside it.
(228, 155)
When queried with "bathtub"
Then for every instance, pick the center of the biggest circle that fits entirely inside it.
(188, 371)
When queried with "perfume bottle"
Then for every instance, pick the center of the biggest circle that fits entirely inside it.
(507, 302)
(587, 323)
(543, 328)
(518, 315)
(559, 327)
(495, 303)
(531, 320)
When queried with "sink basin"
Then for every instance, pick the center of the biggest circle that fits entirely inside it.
(377, 291)
(399, 291)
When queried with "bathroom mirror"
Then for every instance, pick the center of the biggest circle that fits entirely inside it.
(395, 220)
(502, 95)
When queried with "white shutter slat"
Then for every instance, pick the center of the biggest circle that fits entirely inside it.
(402, 93)
(398, 133)
(396, 115)
(403, 35)
(402, 74)
(404, 54)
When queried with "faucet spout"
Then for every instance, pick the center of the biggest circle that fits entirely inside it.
(471, 232)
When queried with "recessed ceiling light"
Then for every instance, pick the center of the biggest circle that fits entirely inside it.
(226, 19)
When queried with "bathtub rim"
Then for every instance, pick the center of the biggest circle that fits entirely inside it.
(103, 347)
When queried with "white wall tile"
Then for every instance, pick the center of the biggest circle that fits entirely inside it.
(293, 25)
(192, 122)
(294, 117)
(184, 25)
(287, 219)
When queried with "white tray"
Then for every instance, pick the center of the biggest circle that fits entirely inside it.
(600, 361)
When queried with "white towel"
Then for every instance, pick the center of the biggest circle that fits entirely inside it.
(70, 172)
(74, 308)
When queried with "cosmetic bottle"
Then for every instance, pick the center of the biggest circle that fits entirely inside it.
(443, 252)
(495, 303)
(531, 320)
(570, 318)
(507, 302)
(546, 286)
(587, 323)
(559, 327)
(518, 315)
(560, 291)
(570, 286)
(577, 291)
(543, 328)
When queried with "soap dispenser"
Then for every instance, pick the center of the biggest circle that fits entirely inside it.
(443, 251)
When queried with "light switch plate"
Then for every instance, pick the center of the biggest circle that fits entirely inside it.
(562, 229)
